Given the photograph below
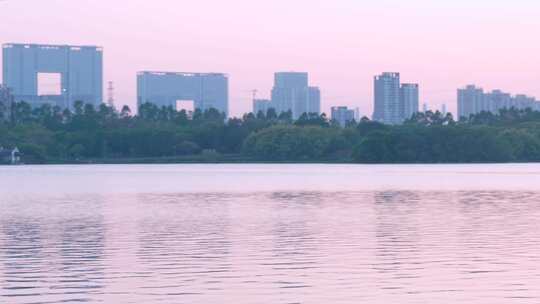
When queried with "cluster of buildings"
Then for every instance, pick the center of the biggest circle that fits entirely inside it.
(394, 102)
(291, 92)
(343, 115)
(473, 100)
(62, 74)
(76, 73)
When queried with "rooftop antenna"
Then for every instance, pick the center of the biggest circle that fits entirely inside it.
(110, 94)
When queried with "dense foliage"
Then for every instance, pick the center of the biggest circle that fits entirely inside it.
(86, 134)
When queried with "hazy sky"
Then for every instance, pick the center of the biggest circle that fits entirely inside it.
(442, 44)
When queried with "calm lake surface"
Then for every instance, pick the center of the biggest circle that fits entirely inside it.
(270, 234)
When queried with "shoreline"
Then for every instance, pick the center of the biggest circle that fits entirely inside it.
(232, 160)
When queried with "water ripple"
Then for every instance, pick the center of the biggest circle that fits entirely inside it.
(273, 247)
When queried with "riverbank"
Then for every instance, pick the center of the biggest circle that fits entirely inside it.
(232, 159)
(189, 159)
(102, 135)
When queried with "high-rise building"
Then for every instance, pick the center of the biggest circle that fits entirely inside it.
(522, 102)
(470, 100)
(498, 99)
(444, 110)
(291, 92)
(409, 99)
(261, 105)
(6, 102)
(54, 74)
(387, 106)
(473, 100)
(393, 102)
(314, 100)
(342, 115)
(291, 80)
(206, 91)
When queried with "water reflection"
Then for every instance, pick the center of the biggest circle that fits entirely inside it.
(188, 250)
(23, 258)
(398, 253)
(275, 247)
(52, 255)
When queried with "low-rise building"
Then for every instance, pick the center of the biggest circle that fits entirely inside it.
(357, 116)
(261, 105)
(10, 156)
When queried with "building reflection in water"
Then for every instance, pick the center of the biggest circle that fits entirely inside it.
(397, 236)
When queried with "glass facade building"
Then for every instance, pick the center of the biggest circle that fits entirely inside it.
(78, 70)
(206, 91)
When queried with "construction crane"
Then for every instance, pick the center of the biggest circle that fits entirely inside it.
(254, 93)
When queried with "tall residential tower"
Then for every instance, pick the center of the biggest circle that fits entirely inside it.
(409, 100)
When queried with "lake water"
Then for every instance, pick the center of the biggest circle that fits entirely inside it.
(270, 234)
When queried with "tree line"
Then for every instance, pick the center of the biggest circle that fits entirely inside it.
(49, 134)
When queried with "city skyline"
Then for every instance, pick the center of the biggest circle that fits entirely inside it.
(29, 69)
(79, 71)
(269, 151)
(341, 56)
(473, 100)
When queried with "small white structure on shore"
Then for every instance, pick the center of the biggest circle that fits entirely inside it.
(10, 156)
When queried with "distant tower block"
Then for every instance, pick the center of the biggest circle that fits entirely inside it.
(163, 89)
(76, 73)
(110, 94)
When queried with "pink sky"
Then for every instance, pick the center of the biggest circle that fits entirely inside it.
(440, 44)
